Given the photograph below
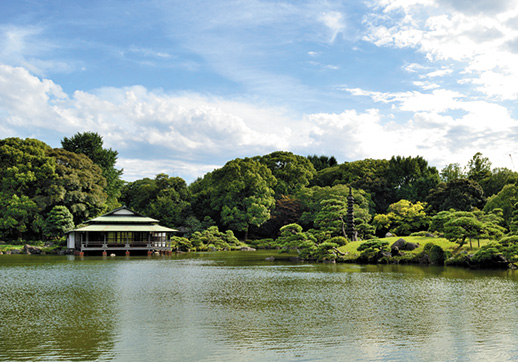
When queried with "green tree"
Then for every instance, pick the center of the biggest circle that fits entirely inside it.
(478, 168)
(293, 236)
(79, 185)
(311, 200)
(27, 169)
(292, 172)
(288, 210)
(439, 220)
(59, 221)
(243, 191)
(505, 200)
(403, 218)
(332, 216)
(202, 191)
(463, 225)
(411, 177)
(213, 238)
(460, 194)
(369, 175)
(164, 198)
(91, 145)
(513, 225)
(16, 215)
(451, 172)
(499, 178)
(322, 162)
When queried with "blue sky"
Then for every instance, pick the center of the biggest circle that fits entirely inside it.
(182, 87)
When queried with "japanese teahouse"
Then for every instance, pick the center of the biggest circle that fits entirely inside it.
(120, 230)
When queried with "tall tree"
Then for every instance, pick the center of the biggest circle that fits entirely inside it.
(16, 216)
(322, 162)
(505, 200)
(312, 200)
(403, 218)
(332, 216)
(460, 194)
(513, 224)
(291, 171)
(79, 185)
(27, 169)
(243, 192)
(478, 168)
(164, 198)
(91, 145)
(59, 221)
(452, 171)
(411, 177)
(499, 177)
(288, 210)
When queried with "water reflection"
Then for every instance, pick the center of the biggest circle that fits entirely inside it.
(53, 311)
(236, 306)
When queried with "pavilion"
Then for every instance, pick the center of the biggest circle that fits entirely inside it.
(120, 230)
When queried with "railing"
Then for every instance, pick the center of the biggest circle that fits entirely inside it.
(131, 244)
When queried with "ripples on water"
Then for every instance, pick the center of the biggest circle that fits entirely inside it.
(237, 307)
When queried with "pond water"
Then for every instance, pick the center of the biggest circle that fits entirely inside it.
(238, 307)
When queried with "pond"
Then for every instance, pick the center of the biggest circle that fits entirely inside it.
(235, 306)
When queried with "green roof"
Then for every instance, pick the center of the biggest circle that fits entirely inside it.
(123, 219)
(123, 227)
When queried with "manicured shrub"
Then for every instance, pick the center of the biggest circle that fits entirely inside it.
(181, 244)
(436, 254)
(509, 240)
(339, 240)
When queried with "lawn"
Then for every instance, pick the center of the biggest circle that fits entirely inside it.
(351, 248)
(5, 247)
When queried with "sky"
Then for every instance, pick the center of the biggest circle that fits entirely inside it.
(182, 87)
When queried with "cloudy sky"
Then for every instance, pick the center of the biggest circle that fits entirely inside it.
(182, 87)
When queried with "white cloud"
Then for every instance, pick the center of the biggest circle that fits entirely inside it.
(190, 134)
(187, 126)
(26, 46)
(335, 22)
(426, 85)
(440, 139)
(465, 32)
(135, 168)
(439, 73)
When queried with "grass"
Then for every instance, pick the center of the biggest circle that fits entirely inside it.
(47, 249)
(5, 247)
(351, 248)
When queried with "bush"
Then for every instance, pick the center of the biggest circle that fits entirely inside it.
(509, 240)
(461, 259)
(181, 244)
(339, 240)
(490, 255)
(262, 244)
(371, 250)
(323, 251)
(436, 254)
(214, 238)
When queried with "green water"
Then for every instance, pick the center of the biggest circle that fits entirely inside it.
(238, 307)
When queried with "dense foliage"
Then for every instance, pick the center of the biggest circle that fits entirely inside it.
(286, 200)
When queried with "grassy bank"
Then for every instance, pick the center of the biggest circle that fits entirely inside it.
(351, 249)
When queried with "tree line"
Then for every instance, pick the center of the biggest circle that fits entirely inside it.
(44, 192)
